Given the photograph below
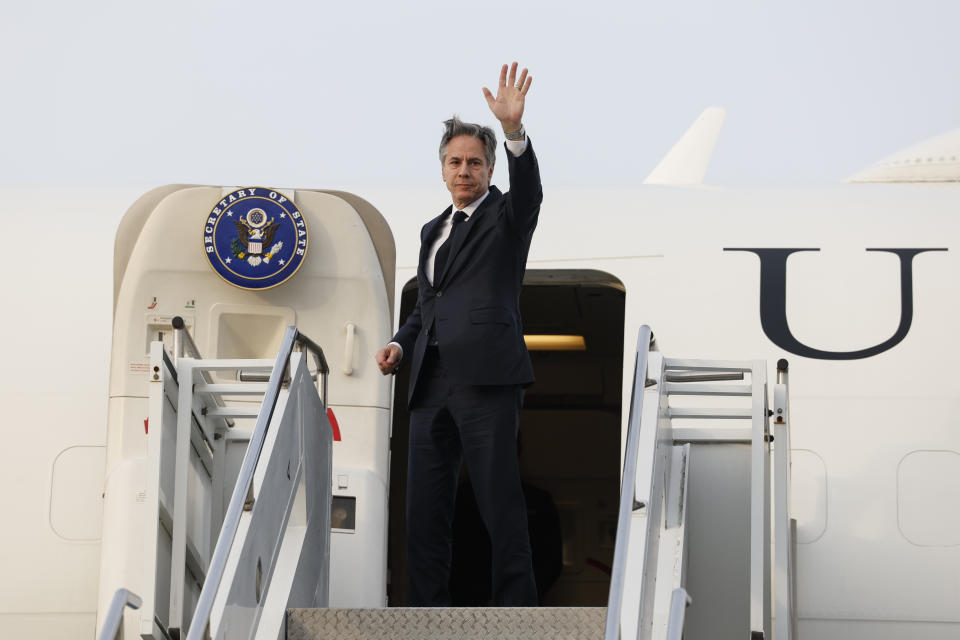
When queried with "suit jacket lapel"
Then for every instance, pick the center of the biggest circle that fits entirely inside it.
(471, 223)
(429, 233)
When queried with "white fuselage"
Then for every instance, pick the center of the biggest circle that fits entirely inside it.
(876, 449)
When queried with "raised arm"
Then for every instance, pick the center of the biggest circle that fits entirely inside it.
(507, 105)
(525, 194)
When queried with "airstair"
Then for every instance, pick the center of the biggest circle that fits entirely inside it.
(704, 544)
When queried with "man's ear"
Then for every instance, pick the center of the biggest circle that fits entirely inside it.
(490, 173)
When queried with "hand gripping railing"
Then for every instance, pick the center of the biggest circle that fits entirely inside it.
(122, 598)
(628, 503)
(292, 339)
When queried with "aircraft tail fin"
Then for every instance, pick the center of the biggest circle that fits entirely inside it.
(686, 163)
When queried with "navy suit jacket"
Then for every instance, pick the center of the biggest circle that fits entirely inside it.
(475, 301)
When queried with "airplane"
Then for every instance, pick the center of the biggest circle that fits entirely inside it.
(852, 283)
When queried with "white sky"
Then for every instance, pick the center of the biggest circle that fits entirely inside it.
(351, 94)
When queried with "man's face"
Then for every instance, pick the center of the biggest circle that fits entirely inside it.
(465, 170)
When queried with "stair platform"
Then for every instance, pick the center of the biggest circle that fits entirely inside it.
(463, 623)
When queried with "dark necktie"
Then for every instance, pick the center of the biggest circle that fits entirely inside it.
(440, 260)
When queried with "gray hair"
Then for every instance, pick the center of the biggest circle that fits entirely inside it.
(456, 127)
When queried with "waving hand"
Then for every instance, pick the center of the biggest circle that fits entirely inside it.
(507, 106)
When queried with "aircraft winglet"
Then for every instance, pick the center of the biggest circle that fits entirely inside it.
(686, 163)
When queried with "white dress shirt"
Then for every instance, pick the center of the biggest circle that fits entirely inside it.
(446, 225)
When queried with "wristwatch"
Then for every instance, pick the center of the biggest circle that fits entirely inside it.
(516, 135)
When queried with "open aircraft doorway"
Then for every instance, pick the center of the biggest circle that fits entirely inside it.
(569, 446)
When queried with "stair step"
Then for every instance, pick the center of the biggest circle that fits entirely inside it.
(466, 623)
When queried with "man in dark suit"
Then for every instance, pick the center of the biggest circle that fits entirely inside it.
(469, 363)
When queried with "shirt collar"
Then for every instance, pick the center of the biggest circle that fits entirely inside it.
(470, 208)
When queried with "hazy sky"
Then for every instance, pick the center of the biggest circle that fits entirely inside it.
(348, 94)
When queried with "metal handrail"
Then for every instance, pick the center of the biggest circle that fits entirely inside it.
(679, 601)
(182, 340)
(306, 344)
(628, 503)
(231, 521)
(784, 541)
(701, 376)
(183, 344)
(122, 598)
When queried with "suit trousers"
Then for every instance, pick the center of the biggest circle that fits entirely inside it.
(478, 423)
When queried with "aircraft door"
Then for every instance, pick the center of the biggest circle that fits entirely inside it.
(568, 447)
